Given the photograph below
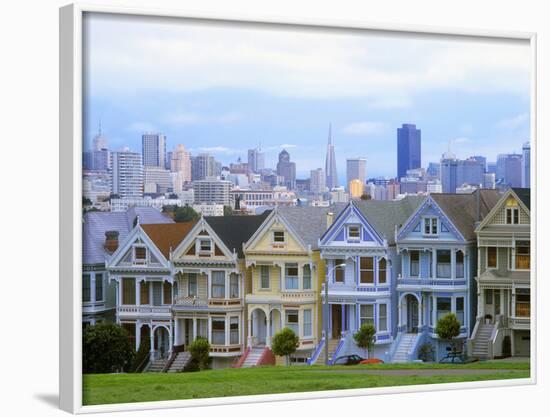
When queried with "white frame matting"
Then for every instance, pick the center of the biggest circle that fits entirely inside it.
(70, 152)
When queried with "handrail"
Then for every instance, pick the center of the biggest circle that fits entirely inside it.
(337, 350)
(317, 352)
(143, 363)
(170, 361)
(239, 363)
(394, 345)
(415, 346)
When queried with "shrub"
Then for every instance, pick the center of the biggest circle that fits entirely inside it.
(448, 327)
(365, 337)
(285, 343)
(506, 347)
(106, 348)
(200, 353)
(426, 352)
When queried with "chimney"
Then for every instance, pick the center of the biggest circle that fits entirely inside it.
(111, 240)
(330, 218)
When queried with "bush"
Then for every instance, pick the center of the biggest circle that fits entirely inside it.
(285, 343)
(426, 352)
(506, 347)
(200, 353)
(106, 348)
(448, 327)
(365, 337)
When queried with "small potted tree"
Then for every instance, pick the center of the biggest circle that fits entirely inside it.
(285, 343)
(447, 328)
(364, 338)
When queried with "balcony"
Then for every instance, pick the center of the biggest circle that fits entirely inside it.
(148, 311)
(430, 282)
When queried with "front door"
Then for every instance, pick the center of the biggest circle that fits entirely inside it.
(336, 320)
(412, 315)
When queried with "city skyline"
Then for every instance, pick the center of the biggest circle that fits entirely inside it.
(474, 95)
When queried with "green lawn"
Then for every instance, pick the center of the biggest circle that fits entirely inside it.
(126, 388)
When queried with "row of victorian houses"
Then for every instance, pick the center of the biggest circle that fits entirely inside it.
(237, 280)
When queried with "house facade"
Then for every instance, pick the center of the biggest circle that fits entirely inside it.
(437, 248)
(503, 322)
(361, 271)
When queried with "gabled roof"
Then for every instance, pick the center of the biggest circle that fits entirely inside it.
(309, 222)
(167, 236)
(385, 215)
(236, 230)
(95, 224)
(524, 194)
(461, 209)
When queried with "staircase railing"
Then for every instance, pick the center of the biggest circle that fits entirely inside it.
(394, 346)
(338, 348)
(414, 349)
(496, 337)
(242, 359)
(470, 340)
(317, 352)
(143, 364)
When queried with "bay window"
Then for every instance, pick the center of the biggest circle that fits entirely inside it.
(307, 323)
(234, 286)
(382, 270)
(382, 317)
(234, 331)
(459, 264)
(291, 320)
(128, 291)
(306, 277)
(491, 257)
(366, 270)
(339, 272)
(443, 306)
(366, 314)
(523, 302)
(144, 292)
(523, 254)
(291, 276)
(218, 284)
(192, 285)
(414, 263)
(443, 267)
(459, 302)
(218, 331)
(264, 277)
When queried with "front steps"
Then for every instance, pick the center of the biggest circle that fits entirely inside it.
(253, 357)
(181, 359)
(405, 345)
(157, 365)
(332, 345)
(480, 345)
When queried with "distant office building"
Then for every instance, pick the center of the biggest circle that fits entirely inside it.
(99, 142)
(482, 160)
(180, 165)
(434, 186)
(302, 185)
(509, 169)
(339, 195)
(470, 171)
(489, 180)
(239, 168)
(449, 165)
(356, 188)
(317, 181)
(212, 191)
(526, 166)
(330, 163)
(98, 158)
(168, 161)
(434, 169)
(287, 169)
(202, 167)
(256, 160)
(153, 149)
(126, 174)
(356, 169)
(492, 167)
(376, 192)
(238, 180)
(408, 149)
(156, 180)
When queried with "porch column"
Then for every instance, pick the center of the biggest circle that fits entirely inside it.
(453, 263)
(343, 317)
(513, 312)
(420, 314)
(226, 276)
(399, 314)
(268, 331)
(404, 255)
(176, 332)
(138, 292)
(138, 334)
(209, 329)
(226, 327)
(502, 306)
(195, 329)
(434, 311)
(481, 302)
(249, 338)
(152, 341)
(171, 338)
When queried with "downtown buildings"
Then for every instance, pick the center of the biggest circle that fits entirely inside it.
(408, 149)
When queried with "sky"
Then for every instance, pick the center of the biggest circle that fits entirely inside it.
(224, 88)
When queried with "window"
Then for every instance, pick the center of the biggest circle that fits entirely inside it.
(218, 284)
(218, 331)
(233, 286)
(366, 270)
(278, 236)
(460, 310)
(157, 293)
(167, 293)
(86, 294)
(523, 254)
(354, 232)
(292, 320)
(264, 277)
(306, 277)
(382, 265)
(128, 291)
(339, 272)
(382, 317)
(140, 254)
(307, 323)
(443, 263)
(192, 285)
(523, 302)
(234, 330)
(459, 273)
(430, 225)
(99, 287)
(443, 306)
(291, 276)
(491, 257)
(489, 296)
(512, 215)
(144, 292)
(205, 245)
(415, 263)
(366, 314)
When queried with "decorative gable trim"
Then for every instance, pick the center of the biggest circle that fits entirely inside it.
(137, 236)
(499, 206)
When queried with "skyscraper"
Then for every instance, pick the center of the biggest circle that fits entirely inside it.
(180, 165)
(509, 169)
(356, 169)
(126, 174)
(470, 171)
(408, 149)
(255, 160)
(287, 169)
(526, 166)
(317, 181)
(153, 149)
(448, 169)
(330, 163)
(202, 167)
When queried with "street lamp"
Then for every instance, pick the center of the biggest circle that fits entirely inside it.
(329, 273)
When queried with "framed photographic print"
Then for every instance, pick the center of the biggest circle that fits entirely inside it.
(257, 209)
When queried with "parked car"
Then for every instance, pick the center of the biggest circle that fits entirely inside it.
(348, 360)
(371, 361)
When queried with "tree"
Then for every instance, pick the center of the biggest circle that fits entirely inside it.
(285, 343)
(365, 337)
(227, 211)
(185, 214)
(365, 197)
(448, 327)
(106, 348)
(200, 353)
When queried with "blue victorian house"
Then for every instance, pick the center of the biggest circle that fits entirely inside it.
(361, 266)
(437, 247)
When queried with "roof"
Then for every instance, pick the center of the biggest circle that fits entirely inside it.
(309, 222)
(95, 224)
(167, 236)
(461, 209)
(524, 194)
(236, 230)
(385, 215)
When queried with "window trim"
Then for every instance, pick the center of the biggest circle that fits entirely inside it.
(512, 209)
(137, 261)
(373, 271)
(373, 306)
(437, 226)
(268, 268)
(274, 241)
(310, 335)
(378, 329)
(349, 237)
(199, 244)
(297, 276)
(487, 258)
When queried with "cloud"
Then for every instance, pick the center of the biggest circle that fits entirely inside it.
(461, 140)
(288, 146)
(193, 118)
(365, 128)
(218, 150)
(141, 127)
(182, 119)
(515, 122)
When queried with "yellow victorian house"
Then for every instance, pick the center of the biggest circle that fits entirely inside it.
(284, 284)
